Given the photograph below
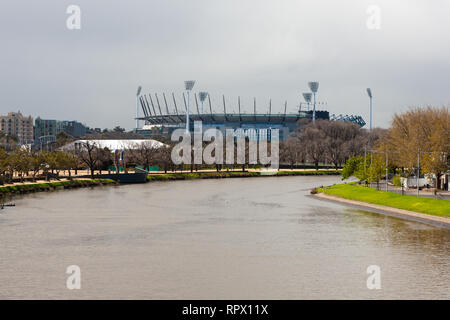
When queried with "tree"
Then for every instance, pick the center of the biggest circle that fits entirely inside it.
(423, 133)
(12, 163)
(356, 167)
(3, 165)
(144, 153)
(163, 157)
(37, 163)
(104, 158)
(291, 152)
(118, 129)
(332, 141)
(22, 158)
(62, 160)
(70, 162)
(312, 139)
(376, 169)
(89, 155)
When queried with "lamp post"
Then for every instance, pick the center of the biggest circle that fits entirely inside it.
(203, 96)
(369, 92)
(137, 109)
(307, 97)
(418, 171)
(314, 86)
(188, 85)
(387, 171)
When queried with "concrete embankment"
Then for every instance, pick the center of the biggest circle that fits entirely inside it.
(406, 214)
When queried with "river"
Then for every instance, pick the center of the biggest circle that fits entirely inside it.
(240, 238)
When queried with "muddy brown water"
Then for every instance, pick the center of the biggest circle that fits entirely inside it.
(240, 238)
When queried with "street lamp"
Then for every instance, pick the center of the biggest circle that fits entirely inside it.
(314, 86)
(188, 85)
(307, 96)
(369, 92)
(203, 96)
(137, 109)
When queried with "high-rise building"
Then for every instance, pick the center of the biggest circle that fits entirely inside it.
(50, 128)
(15, 124)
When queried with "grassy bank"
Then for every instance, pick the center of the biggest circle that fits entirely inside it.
(49, 186)
(235, 174)
(418, 204)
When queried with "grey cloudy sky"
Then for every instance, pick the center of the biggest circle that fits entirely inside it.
(251, 48)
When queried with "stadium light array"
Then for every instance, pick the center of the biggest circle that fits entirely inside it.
(203, 95)
(188, 85)
(307, 96)
(314, 87)
(369, 92)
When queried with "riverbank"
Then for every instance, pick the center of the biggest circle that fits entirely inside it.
(423, 209)
(50, 186)
(31, 187)
(237, 174)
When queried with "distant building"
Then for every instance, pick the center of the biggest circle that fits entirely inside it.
(74, 128)
(47, 127)
(15, 124)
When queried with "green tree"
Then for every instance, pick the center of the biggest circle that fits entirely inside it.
(3, 165)
(355, 167)
(37, 163)
(22, 159)
(376, 169)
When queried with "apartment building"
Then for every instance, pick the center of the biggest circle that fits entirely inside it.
(15, 124)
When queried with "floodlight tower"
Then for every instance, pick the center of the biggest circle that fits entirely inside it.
(307, 96)
(188, 85)
(203, 95)
(369, 92)
(137, 109)
(314, 86)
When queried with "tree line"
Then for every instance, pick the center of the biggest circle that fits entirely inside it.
(417, 143)
(315, 143)
(326, 142)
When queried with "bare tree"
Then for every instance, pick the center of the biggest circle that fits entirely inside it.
(163, 157)
(144, 153)
(312, 139)
(89, 155)
(291, 152)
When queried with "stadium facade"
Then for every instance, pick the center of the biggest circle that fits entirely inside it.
(161, 119)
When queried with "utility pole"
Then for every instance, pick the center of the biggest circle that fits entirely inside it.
(418, 170)
(137, 108)
(314, 86)
(369, 92)
(387, 171)
(188, 86)
(365, 152)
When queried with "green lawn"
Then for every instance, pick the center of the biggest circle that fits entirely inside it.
(419, 204)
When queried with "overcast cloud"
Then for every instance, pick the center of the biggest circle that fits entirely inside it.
(251, 48)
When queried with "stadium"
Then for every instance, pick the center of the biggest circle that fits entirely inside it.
(162, 116)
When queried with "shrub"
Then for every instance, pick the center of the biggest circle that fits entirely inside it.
(396, 181)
